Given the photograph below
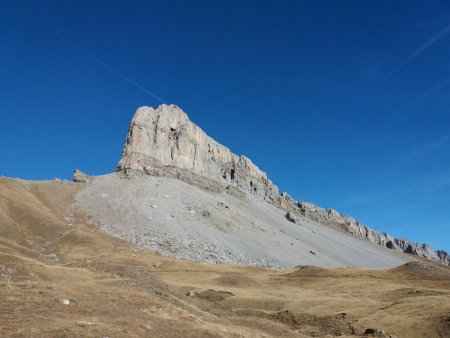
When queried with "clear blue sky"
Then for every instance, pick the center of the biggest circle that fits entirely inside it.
(343, 103)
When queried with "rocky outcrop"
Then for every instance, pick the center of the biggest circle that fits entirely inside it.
(377, 332)
(348, 224)
(164, 142)
(81, 177)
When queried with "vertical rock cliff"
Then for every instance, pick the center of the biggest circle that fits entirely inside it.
(165, 142)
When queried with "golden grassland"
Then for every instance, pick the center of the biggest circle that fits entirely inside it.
(49, 255)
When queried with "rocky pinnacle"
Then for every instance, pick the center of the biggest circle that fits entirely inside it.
(165, 142)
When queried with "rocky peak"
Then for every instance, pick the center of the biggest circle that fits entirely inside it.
(165, 142)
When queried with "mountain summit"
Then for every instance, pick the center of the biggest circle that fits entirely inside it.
(163, 142)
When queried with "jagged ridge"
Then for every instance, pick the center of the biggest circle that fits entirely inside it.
(348, 224)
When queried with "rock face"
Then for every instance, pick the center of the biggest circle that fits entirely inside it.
(164, 142)
(348, 224)
(81, 177)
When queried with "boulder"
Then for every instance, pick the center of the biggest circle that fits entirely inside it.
(81, 177)
(292, 218)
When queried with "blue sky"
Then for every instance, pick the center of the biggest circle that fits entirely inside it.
(343, 103)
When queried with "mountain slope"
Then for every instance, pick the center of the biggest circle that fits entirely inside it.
(164, 142)
(177, 219)
(50, 255)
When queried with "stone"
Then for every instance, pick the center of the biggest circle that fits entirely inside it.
(81, 177)
(377, 332)
(291, 217)
(85, 323)
(390, 245)
(53, 257)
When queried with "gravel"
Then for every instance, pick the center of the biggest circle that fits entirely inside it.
(191, 223)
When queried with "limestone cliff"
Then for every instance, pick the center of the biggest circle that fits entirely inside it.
(349, 224)
(164, 142)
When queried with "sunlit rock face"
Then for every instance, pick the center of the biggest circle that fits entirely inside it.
(162, 140)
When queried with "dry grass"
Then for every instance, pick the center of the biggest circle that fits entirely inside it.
(115, 290)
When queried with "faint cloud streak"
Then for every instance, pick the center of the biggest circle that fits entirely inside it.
(105, 65)
(430, 90)
(420, 50)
